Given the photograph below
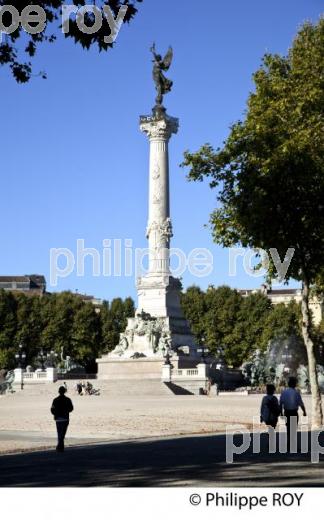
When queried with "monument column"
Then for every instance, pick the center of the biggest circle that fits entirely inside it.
(159, 128)
(158, 326)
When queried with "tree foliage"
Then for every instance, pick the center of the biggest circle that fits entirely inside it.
(239, 325)
(270, 171)
(19, 48)
(59, 322)
(114, 320)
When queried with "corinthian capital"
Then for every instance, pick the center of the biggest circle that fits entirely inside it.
(161, 127)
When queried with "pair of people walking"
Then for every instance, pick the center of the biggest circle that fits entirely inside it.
(290, 402)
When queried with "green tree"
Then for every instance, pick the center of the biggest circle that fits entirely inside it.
(86, 336)
(222, 308)
(20, 47)
(58, 316)
(194, 308)
(7, 359)
(249, 328)
(238, 324)
(29, 325)
(8, 318)
(114, 320)
(8, 326)
(269, 173)
(61, 322)
(282, 321)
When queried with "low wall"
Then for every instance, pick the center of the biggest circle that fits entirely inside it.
(38, 377)
(192, 385)
(190, 379)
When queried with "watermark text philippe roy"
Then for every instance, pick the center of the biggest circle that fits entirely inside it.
(240, 439)
(118, 258)
(89, 19)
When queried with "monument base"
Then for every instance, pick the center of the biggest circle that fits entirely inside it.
(143, 368)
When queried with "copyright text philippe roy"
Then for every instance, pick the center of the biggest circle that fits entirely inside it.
(238, 501)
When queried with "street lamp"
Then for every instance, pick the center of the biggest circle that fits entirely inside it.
(203, 350)
(21, 359)
(51, 358)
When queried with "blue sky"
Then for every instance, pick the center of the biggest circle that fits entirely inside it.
(73, 161)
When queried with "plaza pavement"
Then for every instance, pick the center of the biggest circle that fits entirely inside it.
(122, 412)
(138, 440)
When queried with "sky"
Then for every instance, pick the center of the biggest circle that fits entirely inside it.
(73, 162)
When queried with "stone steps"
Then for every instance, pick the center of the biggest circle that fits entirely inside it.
(133, 387)
(119, 387)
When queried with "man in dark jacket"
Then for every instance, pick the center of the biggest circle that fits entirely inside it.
(61, 408)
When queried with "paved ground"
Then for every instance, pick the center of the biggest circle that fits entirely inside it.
(119, 416)
(128, 438)
(187, 461)
(124, 412)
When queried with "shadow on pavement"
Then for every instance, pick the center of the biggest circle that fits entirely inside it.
(182, 461)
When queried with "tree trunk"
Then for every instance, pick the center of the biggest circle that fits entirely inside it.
(317, 413)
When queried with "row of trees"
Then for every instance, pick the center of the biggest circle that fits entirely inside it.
(59, 322)
(65, 324)
(222, 317)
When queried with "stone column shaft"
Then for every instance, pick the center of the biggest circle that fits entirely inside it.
(159, 203)
(159, 230)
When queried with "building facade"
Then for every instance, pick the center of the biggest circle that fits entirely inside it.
(285, 296)
(31, 283)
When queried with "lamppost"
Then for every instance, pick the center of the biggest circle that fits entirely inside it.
(203, 350)
(21, 358)
(51, 358)
(220, 358)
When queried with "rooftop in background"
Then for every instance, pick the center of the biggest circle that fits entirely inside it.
(87, 298)
(29, 283)
(285, 296)
(265, 289)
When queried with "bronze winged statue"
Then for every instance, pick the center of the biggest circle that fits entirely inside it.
(163, 85)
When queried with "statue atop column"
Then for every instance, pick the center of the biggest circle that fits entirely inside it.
(163, 85)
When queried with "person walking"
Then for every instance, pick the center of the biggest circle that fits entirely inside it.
(290, 401)
(61, 408)
(270, 409)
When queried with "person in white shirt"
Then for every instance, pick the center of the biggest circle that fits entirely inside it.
(290, 401)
